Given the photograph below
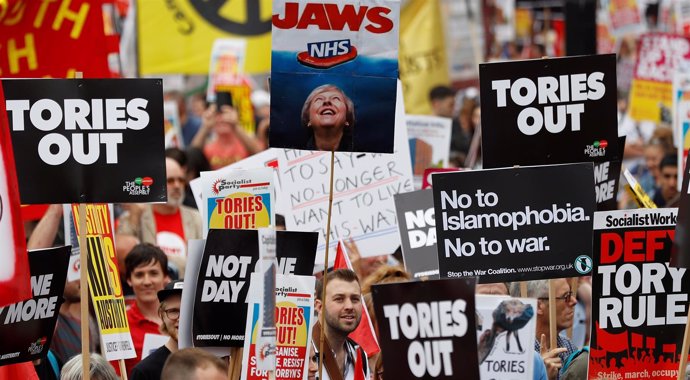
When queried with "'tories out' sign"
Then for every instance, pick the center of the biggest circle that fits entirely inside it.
(563, 109)
(87, 140)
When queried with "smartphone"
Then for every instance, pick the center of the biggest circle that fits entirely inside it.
(223, 98)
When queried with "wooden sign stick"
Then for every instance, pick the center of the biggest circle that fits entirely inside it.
(684, 351)
(552, 316)
(322, 317)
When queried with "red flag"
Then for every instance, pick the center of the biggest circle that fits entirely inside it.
(612, 342)
(359, 366)
(636, 340)
(669, 348)
(364, 334)
(15, 282)
(19, 371)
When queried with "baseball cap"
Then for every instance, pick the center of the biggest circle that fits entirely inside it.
(174, 287)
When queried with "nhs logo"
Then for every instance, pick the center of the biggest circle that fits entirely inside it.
(328, 49)
(327, 54)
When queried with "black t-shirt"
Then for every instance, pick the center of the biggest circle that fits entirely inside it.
(151, 367)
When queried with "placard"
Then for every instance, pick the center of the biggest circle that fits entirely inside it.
(651, 93)
(230, 256)
(334, 69)
(104, 282)
(238, 199)
(363, 190)
(417, 226)
(427, 329)
(549, 111)
(681, 255)
(515, 224)
(294, 313)
(505, 336)
(27, 327)
(87, 140)
(429, 143)
(639, 315)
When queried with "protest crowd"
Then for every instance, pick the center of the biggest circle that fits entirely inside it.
(313, 189)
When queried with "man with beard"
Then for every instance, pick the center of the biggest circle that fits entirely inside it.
(168, 225)
(343, 358)
(67, 337)
(169, 312)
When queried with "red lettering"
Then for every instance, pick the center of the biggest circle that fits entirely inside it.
(314, 14)
(611, 248)
(219, 205)
(259, 203)
(290, 20)
(633, 246)
(376, 16)
(330, 17)
(350, 16)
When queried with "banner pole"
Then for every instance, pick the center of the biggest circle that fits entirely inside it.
(552, 316)
(325, 268)
(83, 269)
(684, 350)
(123, 369)
(523, 289)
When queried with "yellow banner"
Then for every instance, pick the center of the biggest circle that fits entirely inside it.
(647, 99)
(423, 60)
(176, 36)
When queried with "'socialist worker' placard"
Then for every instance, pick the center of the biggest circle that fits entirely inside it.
(639, 316)
(427, 329)
(515, 224)
(87, 140)
(549, 111)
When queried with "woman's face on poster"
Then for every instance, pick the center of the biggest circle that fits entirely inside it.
(328, 109)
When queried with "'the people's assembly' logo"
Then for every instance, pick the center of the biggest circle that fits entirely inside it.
(243, 17)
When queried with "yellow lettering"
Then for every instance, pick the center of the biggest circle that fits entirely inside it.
(41, 14)
(28, 52)
(79, 17)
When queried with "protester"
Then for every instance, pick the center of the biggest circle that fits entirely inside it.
(146, 269)
(343, 311)
(99, 369)
(442, 99)
(194, 364)
(576, 366)
(230, 143)
(67, 337)
(553, 357)
(329, 114)
(168, 225)
(668, 194)
(169, 312)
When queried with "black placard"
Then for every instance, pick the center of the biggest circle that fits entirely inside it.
(87, 140)
(27, 327)
(681, 251)
(427, 329)
(515, 224)
(416, 223)
(224, 276)
(549, 111)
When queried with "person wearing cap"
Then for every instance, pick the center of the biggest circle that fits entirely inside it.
(169, 312)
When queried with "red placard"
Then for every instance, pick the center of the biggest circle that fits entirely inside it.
(15, 285)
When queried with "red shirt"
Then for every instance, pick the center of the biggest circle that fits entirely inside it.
(170, 233)
(138, 327)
